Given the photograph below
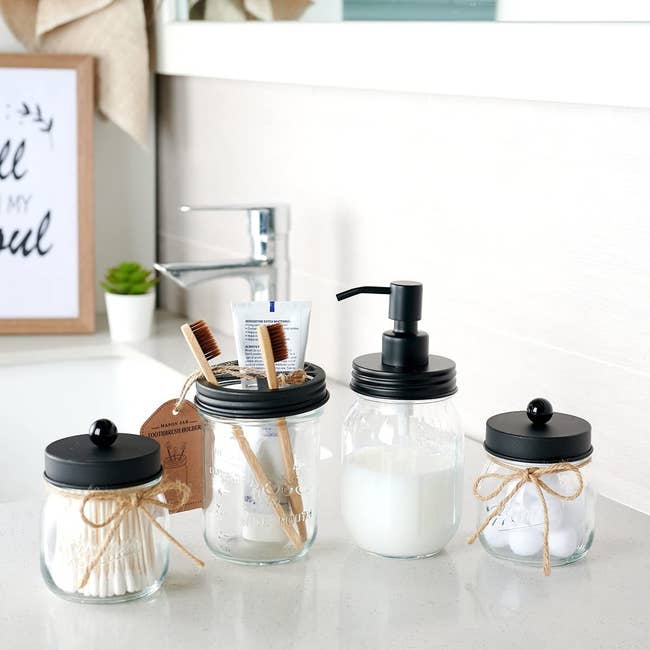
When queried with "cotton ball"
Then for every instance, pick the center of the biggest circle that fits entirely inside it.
(562, 542)
(555, 512)
(531, 502)
(528, 496)
(494, 534)
(525, 541)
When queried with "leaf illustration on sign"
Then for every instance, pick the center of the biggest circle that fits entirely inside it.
(36, 113)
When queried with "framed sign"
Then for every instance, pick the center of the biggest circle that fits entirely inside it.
(46, 194)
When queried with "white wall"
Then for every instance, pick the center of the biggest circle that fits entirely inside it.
(529, 224)
(125, 181)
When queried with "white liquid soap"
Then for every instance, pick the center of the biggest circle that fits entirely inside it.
(400, 501)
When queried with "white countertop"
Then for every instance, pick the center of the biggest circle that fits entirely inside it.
(338, 596)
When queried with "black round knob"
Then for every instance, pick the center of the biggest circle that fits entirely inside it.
(103, 433)
(539, 410)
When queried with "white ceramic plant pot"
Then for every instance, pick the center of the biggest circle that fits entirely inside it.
(129, 316)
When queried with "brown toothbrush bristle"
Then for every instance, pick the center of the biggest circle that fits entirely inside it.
(205, 339)
(278, 342)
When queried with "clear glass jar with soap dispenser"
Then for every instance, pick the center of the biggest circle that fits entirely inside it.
(403, 445)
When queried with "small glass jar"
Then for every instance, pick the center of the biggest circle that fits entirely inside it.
(556, 448)
(95, 546)
(268, 519)
(401, 491)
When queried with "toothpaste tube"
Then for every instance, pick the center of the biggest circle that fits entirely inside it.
(294, 316)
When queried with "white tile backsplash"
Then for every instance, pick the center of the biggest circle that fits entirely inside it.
(527, 222)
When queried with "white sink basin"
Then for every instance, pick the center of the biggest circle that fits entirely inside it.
(45, 397)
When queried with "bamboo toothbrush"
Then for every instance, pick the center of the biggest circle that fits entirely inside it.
(273, 346)
(203, 346)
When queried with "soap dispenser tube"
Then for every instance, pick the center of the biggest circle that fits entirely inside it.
(401, 491)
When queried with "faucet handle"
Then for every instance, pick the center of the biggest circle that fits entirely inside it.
(268, 226)
(264, 219)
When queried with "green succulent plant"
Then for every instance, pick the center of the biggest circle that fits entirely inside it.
(128, 278)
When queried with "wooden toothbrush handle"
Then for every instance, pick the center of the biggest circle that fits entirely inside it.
(266, 350)
(264, 482)
(295, 498)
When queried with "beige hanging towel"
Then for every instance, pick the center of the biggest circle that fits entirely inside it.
(113, 31)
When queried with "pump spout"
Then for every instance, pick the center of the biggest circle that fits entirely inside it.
(357, 290)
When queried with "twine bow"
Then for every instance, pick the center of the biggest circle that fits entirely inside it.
(525, 475)
(126, 502)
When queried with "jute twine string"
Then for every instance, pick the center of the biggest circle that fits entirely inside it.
(242, 372)
(126, 501)
(525, 475)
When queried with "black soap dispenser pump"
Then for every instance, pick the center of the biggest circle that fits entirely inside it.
(404, 369)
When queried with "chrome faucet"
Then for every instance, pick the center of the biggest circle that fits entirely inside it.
(267, 268)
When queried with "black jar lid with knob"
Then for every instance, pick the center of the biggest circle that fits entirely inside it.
(538, 435)
(103, 459)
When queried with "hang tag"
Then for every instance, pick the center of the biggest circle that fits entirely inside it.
(181, 446)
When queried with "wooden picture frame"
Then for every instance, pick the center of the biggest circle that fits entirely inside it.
(84, 319)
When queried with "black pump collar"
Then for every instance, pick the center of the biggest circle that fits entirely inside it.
(372, 378)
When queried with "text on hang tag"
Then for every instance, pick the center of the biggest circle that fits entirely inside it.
(180, 436)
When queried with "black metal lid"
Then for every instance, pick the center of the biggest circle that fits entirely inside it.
(102, 459)
(373, 378)
(538, 435)
(229, 400)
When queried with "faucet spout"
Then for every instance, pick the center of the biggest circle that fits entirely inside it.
(188, 274)
(267, 268)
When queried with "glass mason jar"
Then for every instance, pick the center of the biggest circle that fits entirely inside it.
(401, 491)
(134, 564)
(517, 533)
(554, 449)
(96, 546)
(260, 503)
